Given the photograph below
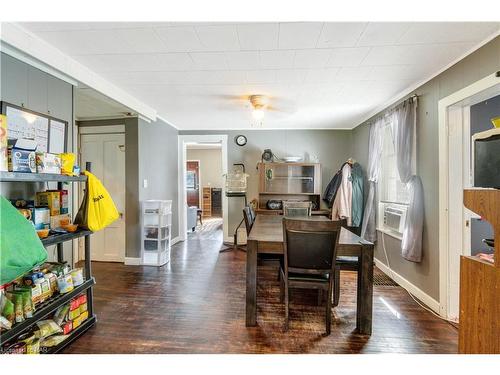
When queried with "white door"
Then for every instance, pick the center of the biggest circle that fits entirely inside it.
(106, 152)
(459, 217)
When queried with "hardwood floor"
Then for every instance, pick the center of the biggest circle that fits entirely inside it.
(196, 304)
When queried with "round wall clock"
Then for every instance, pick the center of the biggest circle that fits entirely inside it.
(240, 140)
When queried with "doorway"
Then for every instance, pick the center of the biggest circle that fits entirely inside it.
(210, 151)
(104, 147)
(193, 183)
(459, 226)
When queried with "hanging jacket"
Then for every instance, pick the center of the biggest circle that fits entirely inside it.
(342, 206)
(357, 194)
(333, 187)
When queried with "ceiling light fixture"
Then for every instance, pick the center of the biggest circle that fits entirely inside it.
(258, 114)
(259, 103)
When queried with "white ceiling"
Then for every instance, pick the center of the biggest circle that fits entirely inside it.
(334, 74)
(90, 104)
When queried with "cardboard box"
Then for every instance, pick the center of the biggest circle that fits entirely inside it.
(63, 201)
(21, 155)
(48, 163)
(51, 199)
(41, 217)
(3, 144)
(58, 220)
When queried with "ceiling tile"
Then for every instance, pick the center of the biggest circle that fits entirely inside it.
(218, 38)
(140, 40)
(209, 60)
(311, 58)
(347, 56)
(277, 59)
(340, 34)
(258, 36)
(261, 76)
(291, 76)
(383, 33)
(446, 32)
(179, 39)
(321, 75)
(298, 35)
(358, 73)
(86, 41)
(175, 61)
(396, 55)
(243, 60)
(121, 62)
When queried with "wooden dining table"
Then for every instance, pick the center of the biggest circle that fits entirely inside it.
(266, 237)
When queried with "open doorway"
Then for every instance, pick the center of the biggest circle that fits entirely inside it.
(202, 163)
(204, 182)
(461, 116)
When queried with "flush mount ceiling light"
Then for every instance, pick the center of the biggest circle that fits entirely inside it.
(259, 103)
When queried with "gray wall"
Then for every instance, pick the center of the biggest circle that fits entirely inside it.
(425, 275)
(332, 147)
(158, 163)
(23, 85)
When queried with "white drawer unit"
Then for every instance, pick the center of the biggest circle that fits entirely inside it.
(156, 225)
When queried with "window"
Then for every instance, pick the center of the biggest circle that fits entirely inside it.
(393, 195)
(190, 180)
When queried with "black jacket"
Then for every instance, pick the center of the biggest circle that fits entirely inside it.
(333, 187)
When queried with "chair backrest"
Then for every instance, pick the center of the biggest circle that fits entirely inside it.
(310, 246)
(249, 218)
(296, 208)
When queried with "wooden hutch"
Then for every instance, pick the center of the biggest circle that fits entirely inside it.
(479, 330)
(289, 181)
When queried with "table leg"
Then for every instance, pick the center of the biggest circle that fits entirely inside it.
(364, 305)
(251, 297)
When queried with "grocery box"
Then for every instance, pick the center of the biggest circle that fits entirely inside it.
(51, 199)
(41, 217)
(21, 155)
(3, 143)
(63, 201)
(58, 221)
(48, 163)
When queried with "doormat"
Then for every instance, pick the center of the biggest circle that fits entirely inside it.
(382, 279)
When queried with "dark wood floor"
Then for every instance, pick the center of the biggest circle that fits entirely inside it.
(196, 304)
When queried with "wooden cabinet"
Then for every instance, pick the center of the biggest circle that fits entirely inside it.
(479, 330)
(207, 202)
(289, 181)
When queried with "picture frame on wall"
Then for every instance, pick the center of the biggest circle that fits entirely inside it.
(49, 132)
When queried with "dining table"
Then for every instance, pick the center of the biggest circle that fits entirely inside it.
(266, 237)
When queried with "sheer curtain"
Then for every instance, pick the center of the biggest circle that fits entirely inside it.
(404, 120)
(368, 227)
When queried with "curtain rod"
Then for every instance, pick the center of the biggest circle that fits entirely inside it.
(386, 111)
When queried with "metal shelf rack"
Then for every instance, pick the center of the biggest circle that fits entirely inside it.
(53, 303)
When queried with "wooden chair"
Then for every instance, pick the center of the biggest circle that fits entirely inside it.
(310, 249)
(249, 217)
(296, 208)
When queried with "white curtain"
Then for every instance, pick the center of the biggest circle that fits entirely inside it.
(403, 124)
(404, 120)
(368, 227)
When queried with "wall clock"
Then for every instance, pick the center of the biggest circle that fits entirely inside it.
(240, 140)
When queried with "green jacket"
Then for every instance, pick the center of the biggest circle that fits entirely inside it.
(357, 194)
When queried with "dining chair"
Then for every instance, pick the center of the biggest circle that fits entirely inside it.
(310, 259)
(249, 217)
(296, 208)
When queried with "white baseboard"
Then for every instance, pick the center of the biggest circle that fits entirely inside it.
(175, 240)
(133, 261)
(417, 292)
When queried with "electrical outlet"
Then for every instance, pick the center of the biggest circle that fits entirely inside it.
(145, 183)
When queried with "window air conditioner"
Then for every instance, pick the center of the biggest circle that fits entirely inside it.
(395, 217)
